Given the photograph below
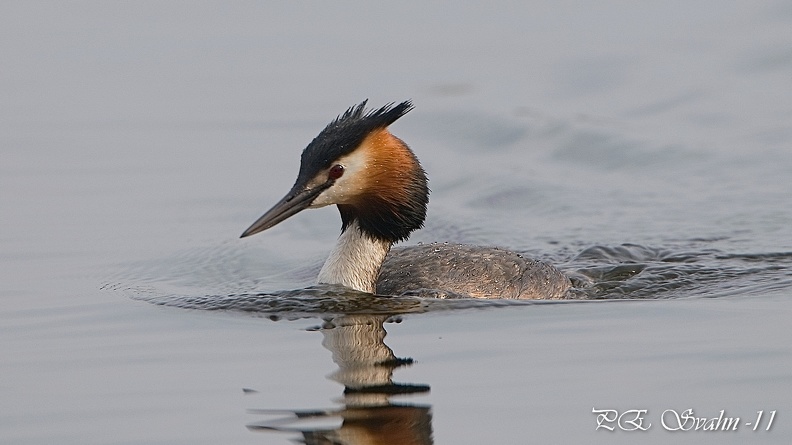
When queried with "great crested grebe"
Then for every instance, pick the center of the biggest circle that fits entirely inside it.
(381, 192)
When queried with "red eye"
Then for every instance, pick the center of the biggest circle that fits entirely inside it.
(335, 172)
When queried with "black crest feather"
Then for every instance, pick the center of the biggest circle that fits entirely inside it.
(345, 133)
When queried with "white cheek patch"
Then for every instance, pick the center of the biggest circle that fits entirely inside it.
(348, 186)
(326, 198)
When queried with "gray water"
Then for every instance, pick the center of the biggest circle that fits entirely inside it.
(643, 149)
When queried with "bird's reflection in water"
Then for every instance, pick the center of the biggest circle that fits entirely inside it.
(368, 415)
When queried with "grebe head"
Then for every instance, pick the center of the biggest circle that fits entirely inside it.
(371, 175)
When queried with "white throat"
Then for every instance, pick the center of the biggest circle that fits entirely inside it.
(355, 260)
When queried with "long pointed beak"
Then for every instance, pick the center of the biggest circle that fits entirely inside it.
(299, 198)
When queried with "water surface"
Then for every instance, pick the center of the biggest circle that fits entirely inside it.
(642, 149)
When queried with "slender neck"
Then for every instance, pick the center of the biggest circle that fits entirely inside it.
(355, 260)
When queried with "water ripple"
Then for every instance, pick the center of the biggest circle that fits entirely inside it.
(599, 272)
(641, 272)
(322, 300)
